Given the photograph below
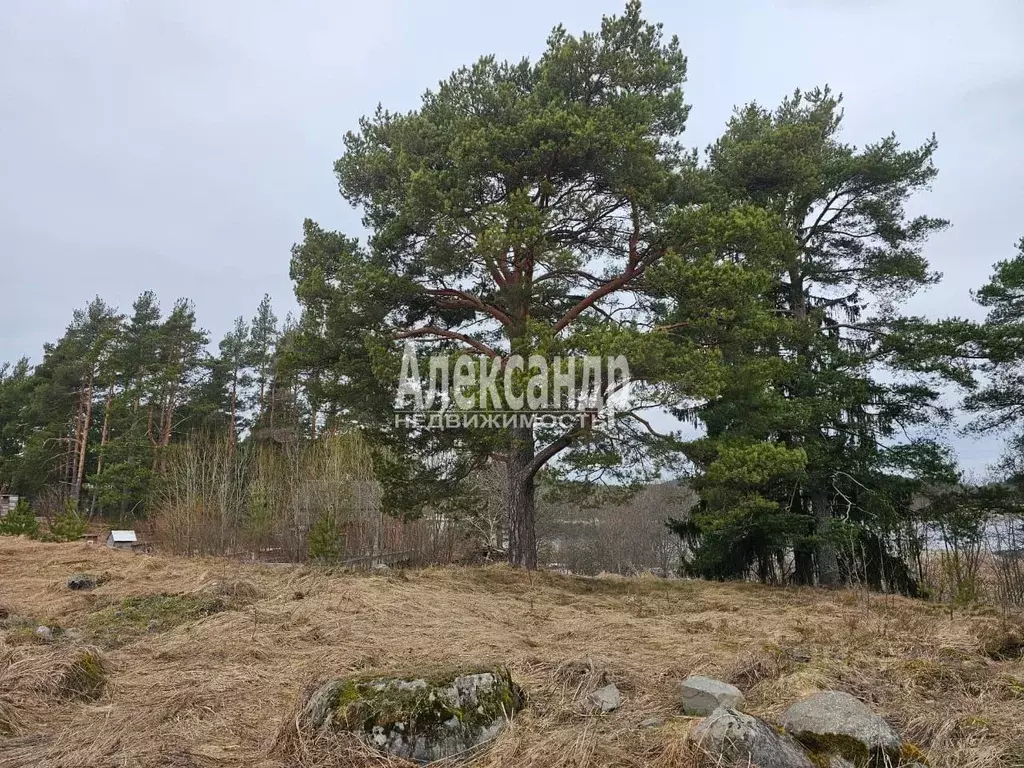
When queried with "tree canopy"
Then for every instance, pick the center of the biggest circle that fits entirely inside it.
(533, 212)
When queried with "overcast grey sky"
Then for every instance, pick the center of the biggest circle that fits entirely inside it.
(177, 145)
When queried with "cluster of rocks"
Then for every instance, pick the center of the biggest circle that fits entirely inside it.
(831, 728)
(437, 716)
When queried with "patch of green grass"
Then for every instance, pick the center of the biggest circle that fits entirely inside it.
(85, 677)
(136, 615)
(23, 636)
(21, 630)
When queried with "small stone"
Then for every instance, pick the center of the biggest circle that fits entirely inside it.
(737, 739)
(45, 634)
(606, 699)
(703, 695)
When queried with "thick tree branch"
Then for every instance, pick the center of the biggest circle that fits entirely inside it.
(431, 330)
(634, 267)
(465, 300)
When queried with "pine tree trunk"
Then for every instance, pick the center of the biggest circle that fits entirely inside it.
(165, 437)
(828, 563)
(71, 456)
(104, 434)
(234, 400)
(825, 553)
(86, 420)
(273, 403)
(263, 387)
(105, 431)
(519, 501)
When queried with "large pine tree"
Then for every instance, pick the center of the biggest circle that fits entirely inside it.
(516, 211)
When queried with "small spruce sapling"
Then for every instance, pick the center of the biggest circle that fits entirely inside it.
(68, 525)
(20, 521)
(325, 541)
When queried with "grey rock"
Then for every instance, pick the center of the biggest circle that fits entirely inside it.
(606, 699)
(45, 634)
(840, 724)
(78, 581)
(738, 739)
(703, 695)
(417, 718)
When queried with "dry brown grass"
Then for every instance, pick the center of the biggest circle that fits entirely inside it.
(221, 690)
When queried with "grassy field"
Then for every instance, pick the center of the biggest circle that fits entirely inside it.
(176, 662)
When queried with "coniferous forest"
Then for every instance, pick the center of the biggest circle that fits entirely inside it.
(757, 287)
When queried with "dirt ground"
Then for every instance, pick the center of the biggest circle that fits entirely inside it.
(211, 676)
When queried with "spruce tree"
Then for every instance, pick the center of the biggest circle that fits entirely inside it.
(805, 452)
(20, 521)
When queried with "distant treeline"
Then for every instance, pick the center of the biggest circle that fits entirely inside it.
(95, 420)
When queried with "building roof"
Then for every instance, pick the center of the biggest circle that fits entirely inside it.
(123, 536)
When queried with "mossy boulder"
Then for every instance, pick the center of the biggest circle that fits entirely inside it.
(423, 718)
(836, 723)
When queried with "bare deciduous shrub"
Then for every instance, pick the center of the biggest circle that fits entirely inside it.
(264, 501)
(1006, 535)
(219, 498)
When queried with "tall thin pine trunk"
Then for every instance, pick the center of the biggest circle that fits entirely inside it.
(234, 399)
(86, 423)
(104, 434)
(519, 500)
